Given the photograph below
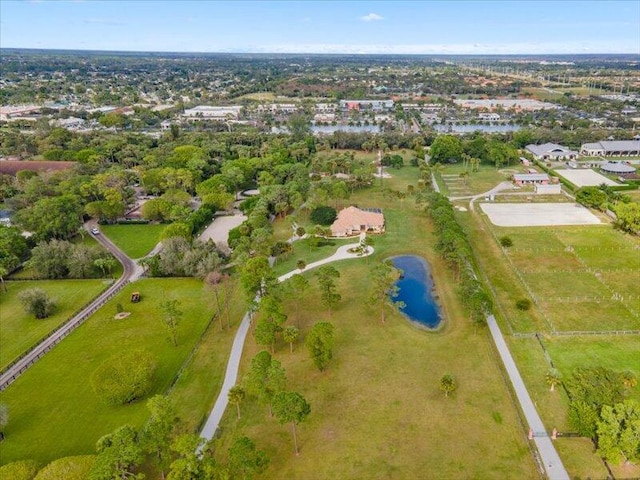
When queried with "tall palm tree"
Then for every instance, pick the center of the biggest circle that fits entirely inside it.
(236, 395)
(553, 379)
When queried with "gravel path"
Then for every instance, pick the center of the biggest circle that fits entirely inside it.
(548, 454)
(231, 375)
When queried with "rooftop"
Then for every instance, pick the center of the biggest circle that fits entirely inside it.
(617, 167)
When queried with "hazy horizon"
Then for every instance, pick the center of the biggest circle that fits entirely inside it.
(276, 27)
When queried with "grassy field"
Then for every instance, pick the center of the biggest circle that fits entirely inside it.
(377, 412)
(567, 354)
(481, 181)
(593, 269)
(585, 278)
(63, 415)
(542, 94)
(20, 331)
(303, 251)
(134, 240)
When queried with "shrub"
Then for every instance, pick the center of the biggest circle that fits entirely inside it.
(36, 302)
(177, 229)
(506, 242)
(395, 161)
(323, 215)
(591, 197)
(124, 378)
(67, 468)
(246, 206)
(523, 304)
(281, 248)
(23, 470)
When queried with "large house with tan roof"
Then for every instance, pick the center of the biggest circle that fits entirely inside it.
(354, 221)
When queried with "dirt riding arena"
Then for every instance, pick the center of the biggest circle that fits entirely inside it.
(585, 178)
(538, 214)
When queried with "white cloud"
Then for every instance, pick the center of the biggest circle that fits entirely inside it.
(372, 17)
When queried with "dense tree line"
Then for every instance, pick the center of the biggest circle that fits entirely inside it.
(454, 248)
(605, 198)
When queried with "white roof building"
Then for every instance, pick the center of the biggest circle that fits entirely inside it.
(375, 105)
(611, 148)
(506, 103)
(205, 112)
(551, 151)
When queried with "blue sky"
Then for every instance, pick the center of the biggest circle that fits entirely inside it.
(429, 27)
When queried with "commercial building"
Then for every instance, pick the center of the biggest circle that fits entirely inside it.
(375, 105)
(205, 112)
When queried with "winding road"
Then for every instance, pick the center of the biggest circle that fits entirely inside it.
(131, 272)
(231, 375)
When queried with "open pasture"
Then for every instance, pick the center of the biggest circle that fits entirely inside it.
(577, 284)
(64, 416)
(20, 331)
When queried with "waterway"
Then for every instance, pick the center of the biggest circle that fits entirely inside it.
(469, 128)
(416, 291)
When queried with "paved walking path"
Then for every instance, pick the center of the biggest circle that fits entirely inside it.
(131, 271)
(548, 454)
(231, 375)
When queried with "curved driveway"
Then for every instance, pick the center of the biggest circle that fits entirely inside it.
(231, 375)
(130, 272)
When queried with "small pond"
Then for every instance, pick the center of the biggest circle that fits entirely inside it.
(415, 290)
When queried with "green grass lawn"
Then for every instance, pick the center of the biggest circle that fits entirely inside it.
(377, 412)
(481, 181)
(568, 353)
(134, 240)
(539, 250)
(282, 229)
(579, 266)
(20, 331)
(196, 391)
(303, 251)
(63, 416)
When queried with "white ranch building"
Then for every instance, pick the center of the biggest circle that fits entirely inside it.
(611, 148)
(551, 151)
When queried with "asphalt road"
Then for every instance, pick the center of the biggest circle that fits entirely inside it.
(131, 271)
